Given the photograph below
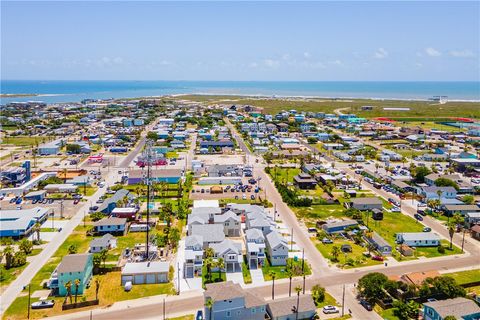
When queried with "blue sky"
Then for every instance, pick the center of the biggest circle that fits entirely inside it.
(240, 40)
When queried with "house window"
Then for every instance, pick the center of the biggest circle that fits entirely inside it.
(229, 314)
(253, 310)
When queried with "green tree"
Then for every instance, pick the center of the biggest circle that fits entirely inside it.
(371, 286)
(468, 199)
(444, 182)
(209, 304)
(451, 233)
(220, 265)
(73, 148)
(318, 294)
(26, 246)
(77, 284)
(209, 264)
(406, 311)
(420, 173)
(298, 289)
(8, 253)
(96, 216)
(104, 256)
(335, 253)
(36, 229)
(68, 286)
(19, 259)
(450, 318)
(72, 249)
(174, 237)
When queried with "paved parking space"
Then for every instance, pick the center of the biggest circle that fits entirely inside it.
(236, 277)
(257, 276)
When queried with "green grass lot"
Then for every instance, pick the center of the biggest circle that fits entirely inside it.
(428, 125)
(328, 301)
(280, 271)
(110, 292)
(418, 109)
(187, 317)
(87, 191)
(464, 277)
(410, 153)
(317, 212)
(171, 154)
(110, 289)
(386, 314)
(215, 277)
(345, 317)
(10, 274)
(247, 277)
(432, 252)
(26, 140)
(284, 174)
(357, 253)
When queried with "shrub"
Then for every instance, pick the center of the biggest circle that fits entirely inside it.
(441, 249)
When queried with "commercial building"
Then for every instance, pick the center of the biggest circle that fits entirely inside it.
(19, 223)
(148, 272)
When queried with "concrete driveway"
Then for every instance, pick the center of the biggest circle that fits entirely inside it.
(236, 277)
(257, 276)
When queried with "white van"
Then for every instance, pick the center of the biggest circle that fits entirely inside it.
(139, 227)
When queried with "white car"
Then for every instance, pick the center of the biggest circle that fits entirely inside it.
(395, 209)
(330, 309)
(128, 286)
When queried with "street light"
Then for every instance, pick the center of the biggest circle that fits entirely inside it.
(28, 307)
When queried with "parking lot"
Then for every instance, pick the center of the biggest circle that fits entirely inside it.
(246, 191)
(69, 209)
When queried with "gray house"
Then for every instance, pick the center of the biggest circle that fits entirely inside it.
(231, 302)
(230, 252)
(364, 204)
(419, 239)
(380, 244)
(277, 249)
(283, 308)
(106, 242)
(231, 223)
(210, 233)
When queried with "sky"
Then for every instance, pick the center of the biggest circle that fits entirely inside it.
(326, 41)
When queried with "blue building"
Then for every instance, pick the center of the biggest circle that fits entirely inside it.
(339, 226)
(72, 267)
(19, 223)
(111, 203)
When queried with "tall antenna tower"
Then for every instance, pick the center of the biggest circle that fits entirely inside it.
(148, 181)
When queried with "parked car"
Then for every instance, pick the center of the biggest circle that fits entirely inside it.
(330, 309)
(199, 315)
(427, 229)
(43, 304)
(422, 212)
(18, 201)
(13, 200)
(327, 241)
(377, 258)
(94, 208)
(252, 197)
(395, 209)
(418, 217)
(128, 286)
(76, 201)
(366, 305)
(244, 196)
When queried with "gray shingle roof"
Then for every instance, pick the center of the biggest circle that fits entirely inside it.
(456, 307)
(73, 263)
(209, 232)
(274, 239)
(283, 306)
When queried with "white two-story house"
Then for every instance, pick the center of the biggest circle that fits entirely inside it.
(230, 252)
(255, 243)
(193, 256)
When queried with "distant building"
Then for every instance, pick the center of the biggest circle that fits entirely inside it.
(50, 148)
(419, 239)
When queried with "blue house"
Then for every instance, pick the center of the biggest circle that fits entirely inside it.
(459, 308)
(215, 144)
(111, 203)
(50, 148)
(72, 267)
(110, 225)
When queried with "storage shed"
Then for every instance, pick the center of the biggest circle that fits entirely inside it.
(145, 272)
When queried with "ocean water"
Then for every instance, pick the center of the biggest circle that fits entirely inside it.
(74, 91)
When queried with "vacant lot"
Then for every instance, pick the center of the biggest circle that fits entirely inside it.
(26, 140)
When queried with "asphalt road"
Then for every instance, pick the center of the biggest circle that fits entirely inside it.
(328, 277)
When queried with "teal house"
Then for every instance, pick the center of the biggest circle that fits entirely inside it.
(72, 267)
(460, 308)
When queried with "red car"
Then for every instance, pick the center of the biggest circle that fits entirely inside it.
(377, 258)
(76, 201)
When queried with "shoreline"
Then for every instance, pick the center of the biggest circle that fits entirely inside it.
(241, 95)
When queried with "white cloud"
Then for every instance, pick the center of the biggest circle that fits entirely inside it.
(253, 65)
(462, 54)
(380, 53)
(286, 56)
(336, 62)
(271, 63)
(307, 55)
(432, 52)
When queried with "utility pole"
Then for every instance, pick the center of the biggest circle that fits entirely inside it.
(28, 314)
(343, 301)
(178, 276)
(291, 241)
(164, 309)
(463, 238)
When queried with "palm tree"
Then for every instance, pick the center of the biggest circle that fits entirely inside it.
(273, 275)
(209, 304)
(290, 275)
(8, 253)
(298, 289)
(103, 256)
(209, 252)
(68, 286)
(36, 229)
(451, 232)
(335, 253)
(97, 287)
(220, 265)
(77, 284)
(208, 264)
